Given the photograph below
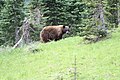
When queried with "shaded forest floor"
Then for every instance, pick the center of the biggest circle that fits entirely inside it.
(56, 60)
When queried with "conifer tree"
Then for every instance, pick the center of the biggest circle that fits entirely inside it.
(11, 16)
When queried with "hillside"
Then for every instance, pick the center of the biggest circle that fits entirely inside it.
(56, 60)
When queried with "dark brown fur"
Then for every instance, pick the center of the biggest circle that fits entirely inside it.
(50, 33)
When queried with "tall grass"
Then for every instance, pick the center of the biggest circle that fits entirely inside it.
(55, 60)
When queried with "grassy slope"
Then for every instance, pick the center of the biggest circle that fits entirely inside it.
(55, 61)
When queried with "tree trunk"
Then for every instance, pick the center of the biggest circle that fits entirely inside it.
(101, 19)
(36, 16)
(26, 31)
(17, 37)
(25, 37)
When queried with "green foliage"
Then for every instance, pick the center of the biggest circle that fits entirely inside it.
(33, 11)
(112, 12)
(95, 21)
(78, 14)
(53, 12)
(64, 12)
(11, 18)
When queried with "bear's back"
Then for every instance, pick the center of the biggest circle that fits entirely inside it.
(53, 29)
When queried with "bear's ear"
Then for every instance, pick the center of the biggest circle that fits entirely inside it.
(63, 26)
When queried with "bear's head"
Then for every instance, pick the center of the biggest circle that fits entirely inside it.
(66, 29)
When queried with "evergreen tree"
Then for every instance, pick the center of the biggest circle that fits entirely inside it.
(95, 22)
(1, 32)
(74, 14)
(118, 9)
(53, 11)
(85, 17)
(112, 9)
(64, 12)
(35, 15)
(11, 17)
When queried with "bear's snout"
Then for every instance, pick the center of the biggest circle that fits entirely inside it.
(67, 32)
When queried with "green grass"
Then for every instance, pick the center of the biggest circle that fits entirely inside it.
(55, 60)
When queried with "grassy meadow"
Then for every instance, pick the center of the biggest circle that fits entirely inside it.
(56, 60)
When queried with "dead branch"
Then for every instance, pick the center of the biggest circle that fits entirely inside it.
(17, 44)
